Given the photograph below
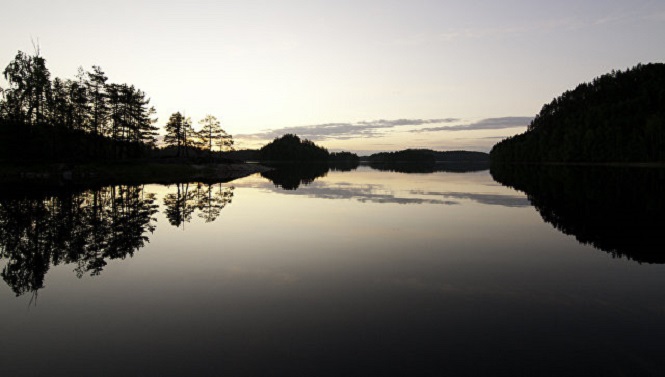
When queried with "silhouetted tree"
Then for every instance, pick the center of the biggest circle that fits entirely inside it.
(176, 132)
(96, 87)
(29, 85)
(82, 119)
(211, 131)
(225, 142)
(78, 94)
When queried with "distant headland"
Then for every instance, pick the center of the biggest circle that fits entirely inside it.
(617, 118)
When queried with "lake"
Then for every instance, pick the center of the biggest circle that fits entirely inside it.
(310, 272)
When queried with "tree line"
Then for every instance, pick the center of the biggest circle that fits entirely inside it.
(181, 136)
(291, 148)
(427, 156)
(619, 117)
(87, 118)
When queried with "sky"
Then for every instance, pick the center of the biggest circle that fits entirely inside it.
(355, 75)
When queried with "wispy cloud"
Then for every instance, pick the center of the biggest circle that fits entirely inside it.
(344, 131)
(568, 23)
(475, 33)
(657, 16)
(484, 124)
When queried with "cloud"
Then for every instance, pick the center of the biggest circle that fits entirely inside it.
(479, 33)
(484, 124)
(657, 16)
(344, 131)
(567, 23)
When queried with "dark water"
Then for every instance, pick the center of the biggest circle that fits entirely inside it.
(339, 273)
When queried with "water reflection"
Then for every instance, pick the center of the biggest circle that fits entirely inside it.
(301, 181)
(186, 198)
(291, 176)
(85, 228)
(451, 167)
(617, 210)
(356, 273)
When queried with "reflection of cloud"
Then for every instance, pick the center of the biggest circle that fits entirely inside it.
(343, 131)
(373, 193)
(367, 194)
(484, 124)
(489, 199)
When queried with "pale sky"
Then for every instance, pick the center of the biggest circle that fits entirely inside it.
(354, 75)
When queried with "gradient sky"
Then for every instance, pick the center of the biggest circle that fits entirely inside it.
(354, 75)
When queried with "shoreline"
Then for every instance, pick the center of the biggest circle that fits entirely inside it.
(586, 164)
(124, 173)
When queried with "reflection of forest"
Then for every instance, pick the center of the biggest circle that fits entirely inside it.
(434, 167)
(207, 199)
(291, 176)
(89, 227)
(618, 210)
(85, 228)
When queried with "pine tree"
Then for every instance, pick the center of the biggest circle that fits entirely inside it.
(96, 87)
(210, 132)
(175, 132)
(180, 134)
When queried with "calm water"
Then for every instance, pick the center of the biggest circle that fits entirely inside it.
(362, 272)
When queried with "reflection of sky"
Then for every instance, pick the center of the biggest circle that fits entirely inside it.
(337, 186)
(354, 286)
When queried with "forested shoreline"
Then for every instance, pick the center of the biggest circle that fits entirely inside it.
(89, 119)
(81, 119)
(617, 118)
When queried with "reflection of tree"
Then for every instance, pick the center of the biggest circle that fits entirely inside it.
(208, 199)
(84, 228)
(291, 176)
(344, 165)
(213, 200)
(179, 205)
(617, 210)
(431, 167)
